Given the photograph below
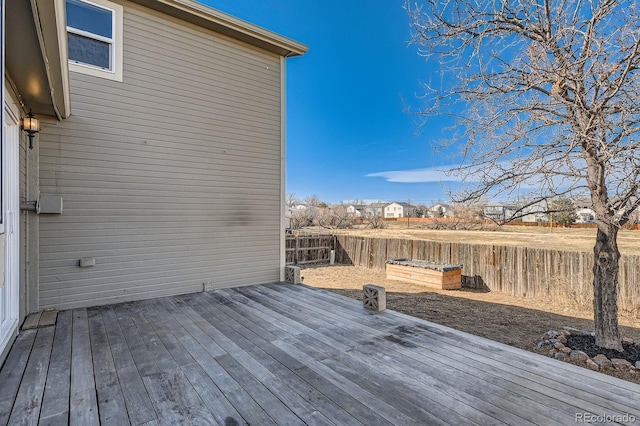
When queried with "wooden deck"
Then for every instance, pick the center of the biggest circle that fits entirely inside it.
(283, 354)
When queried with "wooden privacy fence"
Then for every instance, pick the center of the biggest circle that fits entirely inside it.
(564, 276)
(309, 249)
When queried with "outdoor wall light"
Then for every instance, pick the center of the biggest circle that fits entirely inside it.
(31, 125)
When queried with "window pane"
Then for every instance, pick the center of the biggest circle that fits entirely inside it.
(89, 51)
(90, 18)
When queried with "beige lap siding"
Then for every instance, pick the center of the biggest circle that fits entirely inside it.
(170, 179)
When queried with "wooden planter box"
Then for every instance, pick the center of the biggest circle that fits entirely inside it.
(439, 275)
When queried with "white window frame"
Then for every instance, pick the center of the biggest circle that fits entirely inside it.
(115, 73)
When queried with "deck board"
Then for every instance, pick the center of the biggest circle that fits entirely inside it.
(213, 398)
(55, 404)
(241, 401)
(183, 392)
(462, 374)
(277, 367)
(167, 339)
(11, 374)
(285, 354)
(321, 385)
(139, 406)
(282, 402)
(490, 358)
(84, 400)
(366, 379)
(29, 398)
(509, 358)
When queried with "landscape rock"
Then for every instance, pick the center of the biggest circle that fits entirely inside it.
(602, 361)
(579, 356)
(621, 364)
(576, 332)
(551, 334)
(592, 365)
(559, 346)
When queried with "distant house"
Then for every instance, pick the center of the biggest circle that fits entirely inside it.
(585, 215)
(499, 212)
(361, 209)
(393, 210)
(537, 217)
(375, 209)
(397, 209)
(161, 124)
(440, 210)
(535, 213)
(353, 211)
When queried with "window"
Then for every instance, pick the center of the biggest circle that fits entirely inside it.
(94, 38)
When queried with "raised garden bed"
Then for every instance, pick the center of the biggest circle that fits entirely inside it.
(444, 276)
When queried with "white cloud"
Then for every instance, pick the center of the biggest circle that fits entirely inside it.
(415, 176)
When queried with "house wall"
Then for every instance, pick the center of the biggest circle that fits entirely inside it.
(393, 210)
(171, 178)
(374, 210)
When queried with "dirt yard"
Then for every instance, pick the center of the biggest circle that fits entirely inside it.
(515, 321)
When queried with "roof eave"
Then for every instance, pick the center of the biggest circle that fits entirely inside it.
(53, 41)
(36, 56)
(206, 17)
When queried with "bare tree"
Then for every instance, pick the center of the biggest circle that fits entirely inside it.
(375, 221)
(313, 201)
(547, 96)
(470, 215)
(336, 217)
(301, 218)
(463, 217)
(291, 200)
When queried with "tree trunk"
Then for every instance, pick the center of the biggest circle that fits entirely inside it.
(605, 287)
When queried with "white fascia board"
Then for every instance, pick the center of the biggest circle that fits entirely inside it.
(50, 24)
(207, 17)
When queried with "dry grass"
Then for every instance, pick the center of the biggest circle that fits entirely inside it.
(571, 239)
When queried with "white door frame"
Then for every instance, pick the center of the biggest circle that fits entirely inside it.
(9, 238)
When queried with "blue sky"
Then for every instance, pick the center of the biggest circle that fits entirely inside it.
(348, 134)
